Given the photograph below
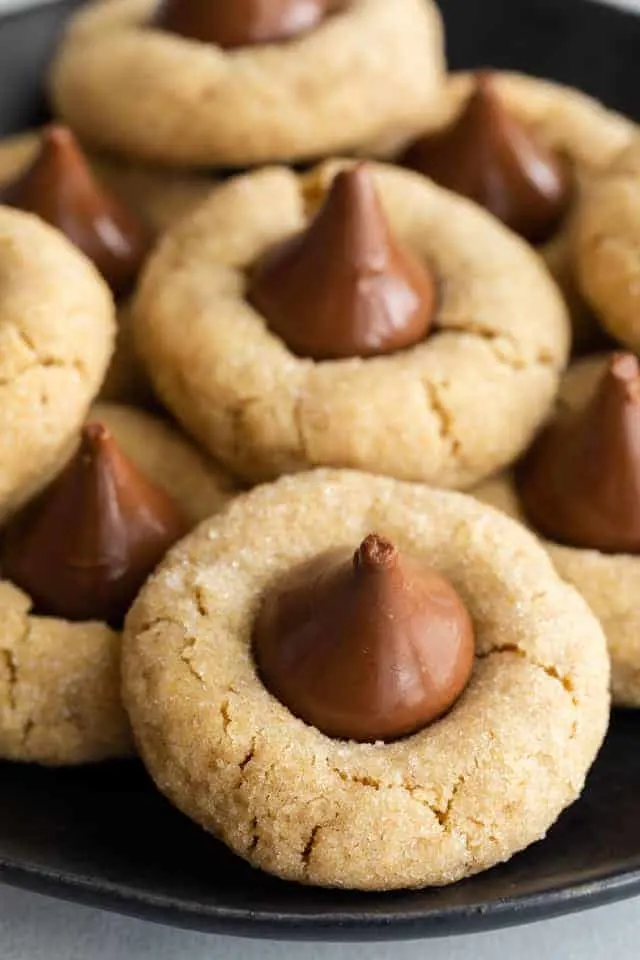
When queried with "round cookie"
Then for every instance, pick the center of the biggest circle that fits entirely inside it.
(373, 71)
(609, 582)
(59, 680)
(447, 802)
(56, 338)
(607, 247)
(447, 411)
(578, 128)
(160, 198)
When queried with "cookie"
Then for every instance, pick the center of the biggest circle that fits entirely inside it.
(56, 335)
(448, 411)
(607, 241)
(576, 138)
(429, 809)
(369, 72)
(59, 680)
(609, 582)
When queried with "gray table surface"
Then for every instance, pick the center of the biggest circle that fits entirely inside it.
(37, 928)
(33, 927)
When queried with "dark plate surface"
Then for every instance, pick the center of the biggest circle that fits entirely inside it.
(104, 836)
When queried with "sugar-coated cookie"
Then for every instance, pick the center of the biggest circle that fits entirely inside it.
(607, 247)
(447, 411)
(429, 809)
(371, 71)
(56, 338)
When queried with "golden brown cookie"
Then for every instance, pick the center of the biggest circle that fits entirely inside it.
(56, 337)
(59, 680)
(608, 582)
(447, 802)
(579, 129)
(607, 247)
(370, 72)
(447, 411)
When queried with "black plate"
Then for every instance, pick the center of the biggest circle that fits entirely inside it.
(103, 836)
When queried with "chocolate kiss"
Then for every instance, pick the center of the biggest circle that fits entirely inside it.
(85, 548)
(60, 187)
(490, 157)
(240, 23)
(580, 483)
(370, 647)
(345, 287)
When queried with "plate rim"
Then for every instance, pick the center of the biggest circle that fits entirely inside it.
(355, 925)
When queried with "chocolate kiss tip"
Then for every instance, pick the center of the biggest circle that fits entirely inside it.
(85, 547)
(490, 156)
(95, 433)
(57, 135)
(484, 82)
(625, 367)
(579, 484)
(367, 646)
(375, 552)
(60, 187)
(345, 286)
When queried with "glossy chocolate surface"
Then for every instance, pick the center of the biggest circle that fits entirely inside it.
(371, 646)
(60, 187)
(345, 286)
(580, 483)
(85, 547)
(489, 156)
(241, 23)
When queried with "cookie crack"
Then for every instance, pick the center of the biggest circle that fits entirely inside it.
(225, 713)
(37, 364)
(445, 418)
(307, 850)
(443, 814)
(299, 425)
(504, 347)
(185, 657)
(38, 359)
(309, 845)
(9, 661)
(565, 681)
(246, 760)
(255, 836)
(13, 675)
(412, 790)
(200, 601)
(148, 625)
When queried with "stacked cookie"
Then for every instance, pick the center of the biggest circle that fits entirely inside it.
(351, 674)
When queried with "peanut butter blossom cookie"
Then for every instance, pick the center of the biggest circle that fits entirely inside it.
(579, 489)
(607, 246)
(56, 337)
(525, 149)
(354, 316)
(354, 682)
(208, 82)
(72, 563)
(59, 186)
